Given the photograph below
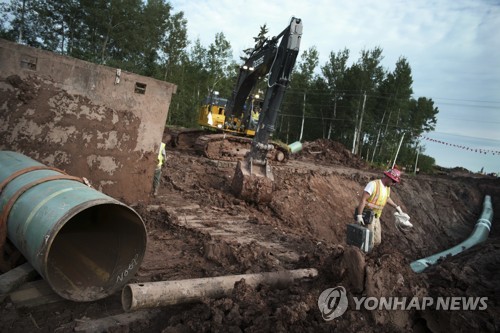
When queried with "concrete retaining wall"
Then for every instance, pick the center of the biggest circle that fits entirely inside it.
(89, 120)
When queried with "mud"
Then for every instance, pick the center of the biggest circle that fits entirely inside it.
(198, 228)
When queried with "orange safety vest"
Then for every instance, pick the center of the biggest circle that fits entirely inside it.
(378, 198)
(161, 155)
(255, 115)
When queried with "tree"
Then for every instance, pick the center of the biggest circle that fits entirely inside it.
(259, 41)
(23, 25)
(421, 116)
(173, 44)
(361, 104)
(155, 23)
(296, 105)
(395, 93)
(58, 24)
(366, 75)
(334, 72)
(218, 62)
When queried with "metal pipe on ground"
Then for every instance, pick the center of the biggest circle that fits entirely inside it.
(162, 293)
(295, 147)
(85, 244)
(479, 234)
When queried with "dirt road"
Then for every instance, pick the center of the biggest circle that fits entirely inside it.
(197, 228)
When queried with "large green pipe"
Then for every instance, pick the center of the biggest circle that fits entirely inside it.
(479, 234)
(85, 244)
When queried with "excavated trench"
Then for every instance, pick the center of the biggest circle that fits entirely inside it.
(305, 225)
(197, 228)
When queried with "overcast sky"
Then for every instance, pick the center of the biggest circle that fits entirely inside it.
(451, 45)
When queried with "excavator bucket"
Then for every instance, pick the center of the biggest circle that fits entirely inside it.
(253, 182)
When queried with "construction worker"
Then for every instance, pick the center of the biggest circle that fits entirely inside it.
(375, 196)
(254, 117)
(162, 156)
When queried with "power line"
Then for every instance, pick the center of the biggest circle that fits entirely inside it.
(471, 120)
(473, 106)
(467, 100)
(351, 93)
(377, 123)
(465, 137)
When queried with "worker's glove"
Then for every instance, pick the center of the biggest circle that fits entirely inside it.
(400, 211)
(402, 221)
(359, 219)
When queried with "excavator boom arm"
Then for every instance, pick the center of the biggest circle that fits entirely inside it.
(253, 178)
(266, 58)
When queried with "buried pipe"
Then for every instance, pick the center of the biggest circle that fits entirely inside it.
(162, 293)
(479, 234)
(85, 244)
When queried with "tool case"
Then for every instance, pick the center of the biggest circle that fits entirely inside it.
(367, 214)
(359, 236)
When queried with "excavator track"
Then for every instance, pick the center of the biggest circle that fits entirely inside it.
(227, 147)
(185, 138)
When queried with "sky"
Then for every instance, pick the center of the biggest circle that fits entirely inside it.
(451, 45)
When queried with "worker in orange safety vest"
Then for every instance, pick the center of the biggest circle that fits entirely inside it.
(162, 156)
(376, 195)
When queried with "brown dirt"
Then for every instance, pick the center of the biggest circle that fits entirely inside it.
(198, 228)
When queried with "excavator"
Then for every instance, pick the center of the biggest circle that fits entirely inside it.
(253, 179)
(272, 59)
(235, 133)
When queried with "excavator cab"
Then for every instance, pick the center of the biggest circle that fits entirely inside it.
(253, 179)
(212, 115)
(212, 112)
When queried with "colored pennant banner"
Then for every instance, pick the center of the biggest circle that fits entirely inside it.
(475, 150)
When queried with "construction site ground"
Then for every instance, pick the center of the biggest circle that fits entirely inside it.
(198, 228)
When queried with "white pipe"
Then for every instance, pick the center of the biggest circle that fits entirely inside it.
(155, 294)
(480, 234)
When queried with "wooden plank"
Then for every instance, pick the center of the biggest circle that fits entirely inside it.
(123, 319)
(12, 279)
(16, 277)
(34, 294)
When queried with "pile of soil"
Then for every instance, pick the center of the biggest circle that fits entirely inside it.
(198, 228)
(330, 152)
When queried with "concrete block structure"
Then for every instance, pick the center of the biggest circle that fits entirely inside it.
(88, 120)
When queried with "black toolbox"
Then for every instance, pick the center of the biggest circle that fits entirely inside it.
(359, 236)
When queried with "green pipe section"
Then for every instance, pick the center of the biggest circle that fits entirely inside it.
(295, 147)
(85, 244)
(479, 234)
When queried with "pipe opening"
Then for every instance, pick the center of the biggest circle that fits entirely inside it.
(127, 298)
(95, 251)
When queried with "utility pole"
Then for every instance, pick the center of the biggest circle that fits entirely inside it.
(378, 135)
(303, 116)
(397, 152)
(361, 123)
(357, 129)
(416, 163)
(334, 116)
(22, 23)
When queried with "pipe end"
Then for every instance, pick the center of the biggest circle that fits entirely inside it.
(419, 266)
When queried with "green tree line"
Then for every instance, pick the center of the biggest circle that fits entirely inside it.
(366, 107)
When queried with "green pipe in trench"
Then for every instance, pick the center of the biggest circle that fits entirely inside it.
(479, 234)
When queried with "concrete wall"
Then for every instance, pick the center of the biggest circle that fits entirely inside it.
(89, 120)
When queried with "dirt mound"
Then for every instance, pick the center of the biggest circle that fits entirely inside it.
(329, 152)
(473, 273)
